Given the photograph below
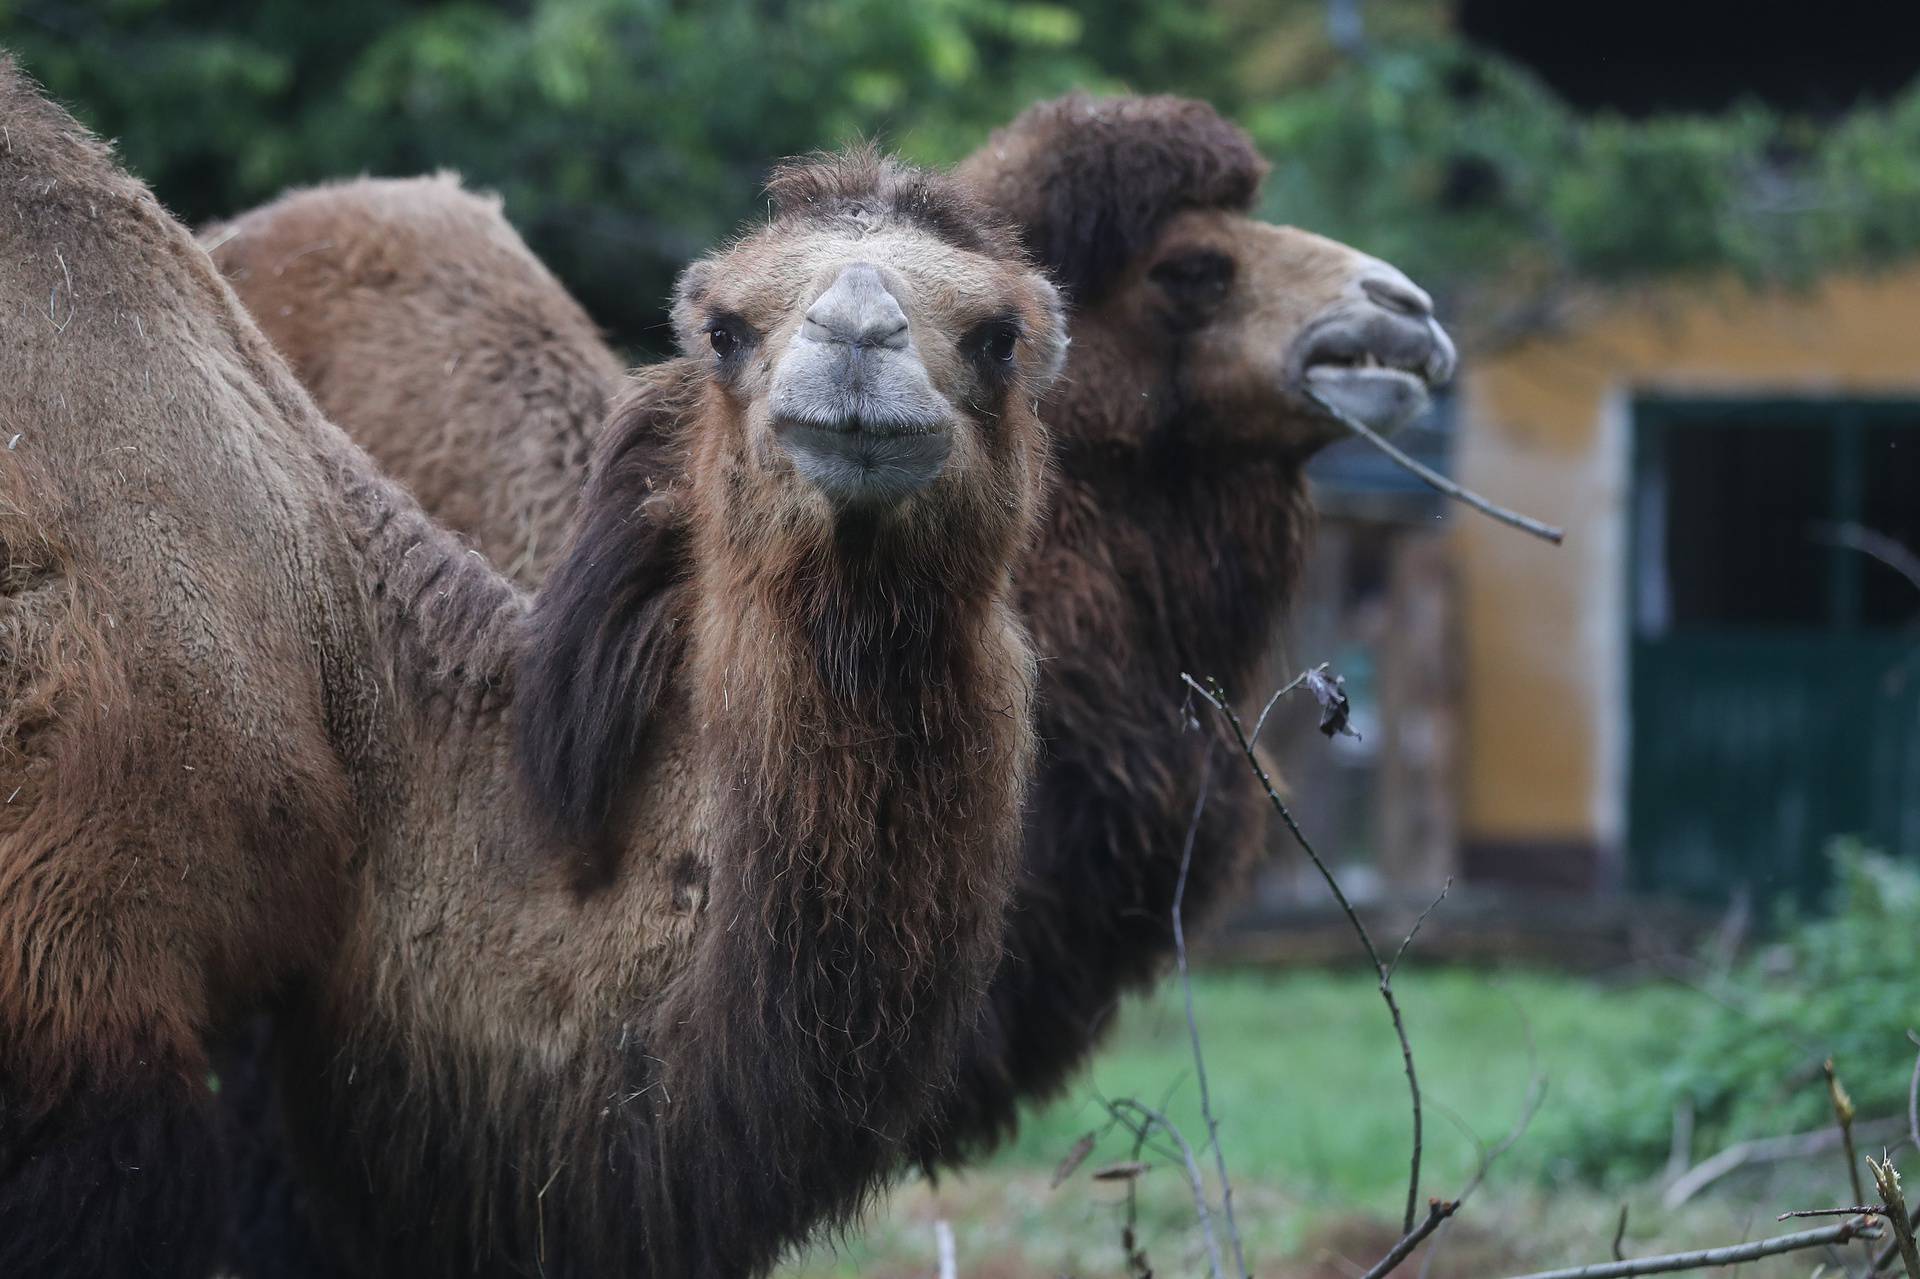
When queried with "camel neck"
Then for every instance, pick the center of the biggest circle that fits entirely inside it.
(1195, 554)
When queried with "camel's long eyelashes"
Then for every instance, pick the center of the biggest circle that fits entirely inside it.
(1194, 283)
(992, 345)
(729, 336)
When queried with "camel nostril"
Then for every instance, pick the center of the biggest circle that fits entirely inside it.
(858, 310)
(1398, 294)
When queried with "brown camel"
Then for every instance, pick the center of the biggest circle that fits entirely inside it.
(366, 286)
(1172, 538)
(264, 720)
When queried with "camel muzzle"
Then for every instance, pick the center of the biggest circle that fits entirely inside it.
(1378, 356)
(853, 404)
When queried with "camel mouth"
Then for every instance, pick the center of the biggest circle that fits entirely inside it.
(864, 463)
(1379, 396)
(1379, 368)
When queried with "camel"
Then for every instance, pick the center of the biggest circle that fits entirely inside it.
(1171, 541)
(364, 286)
(269, 732)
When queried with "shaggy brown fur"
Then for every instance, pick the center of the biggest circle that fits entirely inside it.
(1091, 182)
(363, 284)
(1170, 545)
(727, 1038)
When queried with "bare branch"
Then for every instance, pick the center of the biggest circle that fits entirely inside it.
(1150, 1119)
(1843, 1115)
(1281, 692)
(1438, 1210)
(1620, 1233)
(1415, 930)
(1887, 1181)
(1876, 545)
(1440, 483)
(1707, 1258)
(1913, 1096)
(1768, 1150)
(1217, 698)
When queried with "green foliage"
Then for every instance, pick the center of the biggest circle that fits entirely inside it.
(628, 135)
(1460, 167)
(1749, 1064)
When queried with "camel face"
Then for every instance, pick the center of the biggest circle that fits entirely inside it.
(870, 362)
(852, 403)
(1272, 313)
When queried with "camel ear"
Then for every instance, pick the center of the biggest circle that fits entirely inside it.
(1049, 338)
(689, 307)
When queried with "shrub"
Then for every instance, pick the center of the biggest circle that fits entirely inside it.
(1841, 985)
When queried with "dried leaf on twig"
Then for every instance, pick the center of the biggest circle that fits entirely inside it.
(1331, 692)
(1075, 1157)
(1125, 1171)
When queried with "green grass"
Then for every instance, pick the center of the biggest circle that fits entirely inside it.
(1308, 1086)
(1307, 1078)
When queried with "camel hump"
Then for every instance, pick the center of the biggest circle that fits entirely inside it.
(426, 329)
(174, 624)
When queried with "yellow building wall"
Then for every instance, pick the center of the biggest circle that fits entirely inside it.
(1545, 428)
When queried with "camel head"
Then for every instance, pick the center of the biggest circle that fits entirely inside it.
(873, 353)
(1139, 206)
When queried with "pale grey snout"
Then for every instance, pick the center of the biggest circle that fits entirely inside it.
(1378, 356)
(852, 402)
(859, 310)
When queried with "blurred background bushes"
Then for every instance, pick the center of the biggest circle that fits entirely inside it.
(626, 135)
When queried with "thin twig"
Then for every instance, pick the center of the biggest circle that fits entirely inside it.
(1413, 932)
(1708, 1258)
(1278, 693)
(1620, 1233)
(1873, 544)
(1536, 1094)
(1193, 1025)
(1768, 1150)
(1440, 483)
(1438, 1210)
(1913, 1096)
(1217, 698)
(1150, 1118)
(1843, 1115)
(1857, 1210)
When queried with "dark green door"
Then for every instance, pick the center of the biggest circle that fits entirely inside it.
(1775, 673)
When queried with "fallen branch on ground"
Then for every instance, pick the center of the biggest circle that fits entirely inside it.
(1707, 1258)
(1769, 1150)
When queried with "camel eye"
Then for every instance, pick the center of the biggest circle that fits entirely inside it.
(995, 341)
(1195, 283)
(723, 341)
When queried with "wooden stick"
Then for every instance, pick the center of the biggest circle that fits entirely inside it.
(1710, 1257)
(1438, 482)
